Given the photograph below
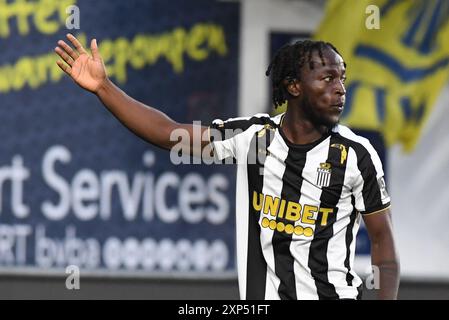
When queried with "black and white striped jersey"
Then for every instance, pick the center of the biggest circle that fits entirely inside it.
(298, 207)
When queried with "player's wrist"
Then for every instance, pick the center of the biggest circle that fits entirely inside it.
(104, 86)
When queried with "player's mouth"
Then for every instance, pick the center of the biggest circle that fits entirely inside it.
(339, 106)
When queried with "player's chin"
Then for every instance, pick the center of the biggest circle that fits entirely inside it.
(331, 121)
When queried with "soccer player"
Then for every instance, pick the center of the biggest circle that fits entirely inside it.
(303, 181)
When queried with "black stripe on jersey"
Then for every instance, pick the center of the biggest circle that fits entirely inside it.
(291, 191)
(256, 271)
(360, 290)
(349, 237)
(371, 191)
(330, 197)
(235, 127)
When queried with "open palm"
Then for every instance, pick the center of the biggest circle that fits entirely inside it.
(87, 71)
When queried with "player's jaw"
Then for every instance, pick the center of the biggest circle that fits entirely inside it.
(325, 111)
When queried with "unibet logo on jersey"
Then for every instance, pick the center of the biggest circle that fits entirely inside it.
(290, 211)
(396, 72)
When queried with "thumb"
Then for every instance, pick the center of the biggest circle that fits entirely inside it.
(94, 49)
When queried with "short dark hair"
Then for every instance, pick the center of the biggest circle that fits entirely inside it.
(287, 63)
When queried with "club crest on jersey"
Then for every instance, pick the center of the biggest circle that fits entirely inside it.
(324, 175)
(344, 152)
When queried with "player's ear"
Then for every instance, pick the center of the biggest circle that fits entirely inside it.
(293, 86)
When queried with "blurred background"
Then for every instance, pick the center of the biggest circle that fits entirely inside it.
(78, 189)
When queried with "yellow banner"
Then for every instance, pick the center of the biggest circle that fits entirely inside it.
(397, 55)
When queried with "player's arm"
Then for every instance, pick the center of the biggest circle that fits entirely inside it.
(89, 72)
(383, 252)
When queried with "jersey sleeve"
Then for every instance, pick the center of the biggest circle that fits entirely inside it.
(223, 146)
(229, 138)
(369, 190)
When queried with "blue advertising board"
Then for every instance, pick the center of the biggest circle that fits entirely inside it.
(77, 187)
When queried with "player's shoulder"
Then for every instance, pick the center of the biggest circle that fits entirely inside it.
(245, 123)
(357, 142)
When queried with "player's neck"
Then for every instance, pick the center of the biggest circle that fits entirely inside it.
(300, 130)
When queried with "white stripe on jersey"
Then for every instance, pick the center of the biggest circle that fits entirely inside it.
(272, 184)
(356, 281)
(241, 225)
(336, 253)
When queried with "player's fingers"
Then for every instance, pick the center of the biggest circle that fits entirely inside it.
(64, 56)
(68, 49)
(76, 44)
(94, 49)
(64, 67)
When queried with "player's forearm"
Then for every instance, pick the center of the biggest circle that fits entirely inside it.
(384, 257)
(146, 122)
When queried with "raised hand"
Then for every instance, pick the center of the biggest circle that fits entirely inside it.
(89, 72)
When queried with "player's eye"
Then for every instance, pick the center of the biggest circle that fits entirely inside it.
(343, 79)
(328, 78)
